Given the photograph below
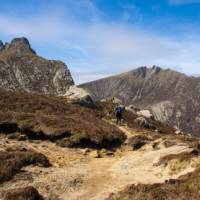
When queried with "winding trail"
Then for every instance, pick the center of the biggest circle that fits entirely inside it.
(127, 167)
(80, 175)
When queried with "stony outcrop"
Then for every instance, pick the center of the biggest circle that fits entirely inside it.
(79, 96)
(170, 96)
(145, 123)
(145, 113)
(22, 69)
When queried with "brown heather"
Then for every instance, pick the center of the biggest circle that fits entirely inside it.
(48, 117)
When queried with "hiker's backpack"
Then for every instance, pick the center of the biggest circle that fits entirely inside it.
(119, 110)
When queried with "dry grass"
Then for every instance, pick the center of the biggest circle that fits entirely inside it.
(185, 156)
(47, 117)
(12, 161)
(179, 190)
(28, 193)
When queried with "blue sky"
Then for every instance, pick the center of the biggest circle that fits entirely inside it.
(98, 38)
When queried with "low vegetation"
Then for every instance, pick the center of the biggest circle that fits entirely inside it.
(28, 193)
(186, 187)
(46, 117)
(12, 161)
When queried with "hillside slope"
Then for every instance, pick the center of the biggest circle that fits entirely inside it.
(65, 151)
(22, 69)
(52, 148)
(173, 97)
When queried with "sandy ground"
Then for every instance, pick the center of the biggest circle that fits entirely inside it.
(77, 174)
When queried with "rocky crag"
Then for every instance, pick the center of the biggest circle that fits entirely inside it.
(22, 69)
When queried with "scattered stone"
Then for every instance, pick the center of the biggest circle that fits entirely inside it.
(13, 136)
(86, 151)
(177, 132)
(195, 152)
(171, 181)
(155, 145)
(106, 153)
(22, 138)
(169, 143)
(95, 154)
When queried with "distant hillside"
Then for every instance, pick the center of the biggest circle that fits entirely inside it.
(173, 97)
(22, 69)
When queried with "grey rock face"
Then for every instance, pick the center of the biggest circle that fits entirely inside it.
(21, 45)
(21, 69)
(172, 97)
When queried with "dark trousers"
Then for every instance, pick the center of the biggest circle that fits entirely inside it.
(118, 118)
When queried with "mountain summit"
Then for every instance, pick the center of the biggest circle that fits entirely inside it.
(22, 69)
(146, 72)
(20, 45)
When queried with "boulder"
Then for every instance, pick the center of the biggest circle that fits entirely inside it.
(133, 109)
(145, 113)
(79, 96)
(144, 123)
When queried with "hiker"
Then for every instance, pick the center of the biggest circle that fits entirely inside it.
(118, 112)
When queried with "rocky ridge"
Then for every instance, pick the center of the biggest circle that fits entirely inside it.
(22, 69)
(171, 96)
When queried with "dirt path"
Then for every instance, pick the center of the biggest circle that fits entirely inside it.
(77, 175)
(129, 167)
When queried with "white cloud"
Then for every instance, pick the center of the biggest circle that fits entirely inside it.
(179, 2)
(104, 48)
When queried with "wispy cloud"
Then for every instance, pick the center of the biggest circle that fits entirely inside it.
(96, 48)
(180, 2)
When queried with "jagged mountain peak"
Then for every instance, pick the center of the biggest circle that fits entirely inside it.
(146, 71)
(18, 45)
(22, 69)
(23, 40)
